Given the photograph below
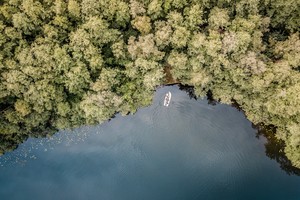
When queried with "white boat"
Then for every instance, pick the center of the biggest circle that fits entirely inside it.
(167, 99)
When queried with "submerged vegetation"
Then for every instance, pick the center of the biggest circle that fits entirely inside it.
(68, 63)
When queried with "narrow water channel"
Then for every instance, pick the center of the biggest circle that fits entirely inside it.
(190, 150)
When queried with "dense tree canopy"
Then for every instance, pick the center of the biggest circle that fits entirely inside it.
(68, 63)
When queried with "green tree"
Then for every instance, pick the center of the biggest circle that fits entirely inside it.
(68, 63)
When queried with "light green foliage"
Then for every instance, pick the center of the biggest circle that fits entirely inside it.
(193, 16)
(179, 62)
(163, 33)
(118, 11)
(106, 81)
(199, 76)
(77, 79)
(118, 49)
(68, 63)
(155, 9)
(60, 7)
(98, 31)
(74, 9)
(22, 107)
(218, 18)
(154, 77)
(252, 64)
(174, 4)
(142, 23)
(247, 7)
(90, 8)
(197, 44)
(180, 37)
(136, 8)
(100, 106)
(289, 50)
(15, 82)
(175, 19)
(144, 47)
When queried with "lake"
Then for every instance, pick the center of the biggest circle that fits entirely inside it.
(190, 150)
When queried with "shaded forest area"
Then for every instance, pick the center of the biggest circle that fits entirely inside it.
(65, 63)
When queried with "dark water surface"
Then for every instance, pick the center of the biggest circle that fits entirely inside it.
(189, 150)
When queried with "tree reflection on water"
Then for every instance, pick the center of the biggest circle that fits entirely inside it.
(274, 148)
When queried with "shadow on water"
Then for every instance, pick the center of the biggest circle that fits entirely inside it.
(191, 93)
(8, 144)
(274, 148)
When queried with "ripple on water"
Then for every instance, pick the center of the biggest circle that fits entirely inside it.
(189, 150)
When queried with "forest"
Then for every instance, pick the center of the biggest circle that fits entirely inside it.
(66, 63)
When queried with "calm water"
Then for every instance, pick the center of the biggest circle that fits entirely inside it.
(189, 150)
